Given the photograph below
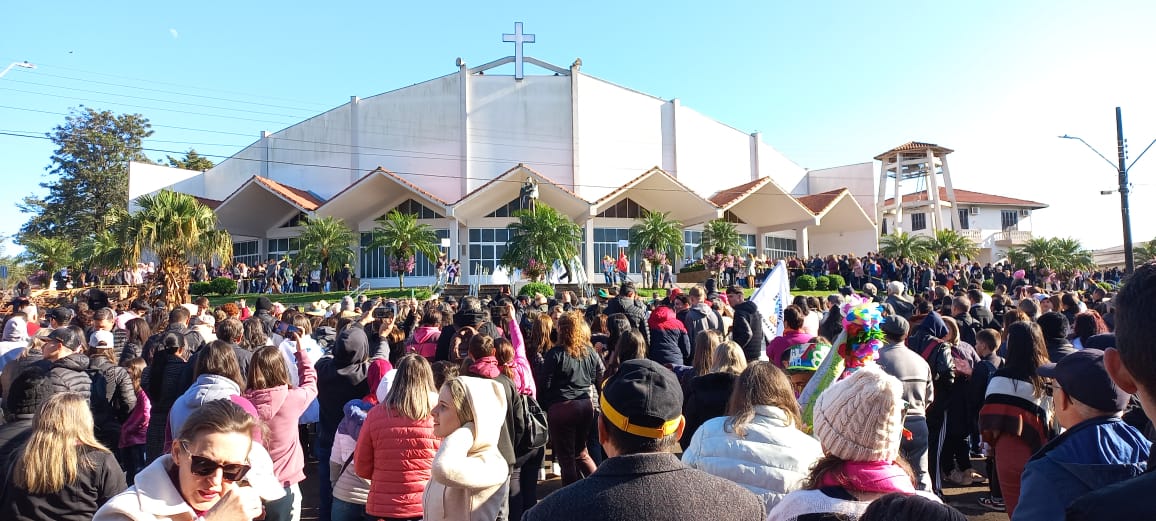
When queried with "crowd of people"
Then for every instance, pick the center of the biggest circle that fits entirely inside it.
(865, 406)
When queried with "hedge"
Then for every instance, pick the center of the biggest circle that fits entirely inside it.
(822, 283)
(988, 285)
(805, 283)
(835, 282)
(532, 288)
(223, 286)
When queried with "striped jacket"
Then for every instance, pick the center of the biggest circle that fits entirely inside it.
(1011, 409)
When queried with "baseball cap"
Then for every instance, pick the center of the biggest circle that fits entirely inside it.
(67, 337)
(644, 399)
(1082, 376)
(102, 339)
(61, 315)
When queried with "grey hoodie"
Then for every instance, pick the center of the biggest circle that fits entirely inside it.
(206, 388)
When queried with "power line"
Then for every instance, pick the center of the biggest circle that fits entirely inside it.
(204, 114)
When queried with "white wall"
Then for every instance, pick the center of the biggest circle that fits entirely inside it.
(838, 243)
(859, 178)
(620, 135)
(711, 155)
(774, 164)
(146, 178)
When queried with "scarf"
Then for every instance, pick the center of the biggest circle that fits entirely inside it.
(486, 367)
(870, 476)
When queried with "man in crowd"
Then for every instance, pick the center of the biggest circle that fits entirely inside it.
(1132, 366)
(898, 301)
(1097, 449)
(627, 302)
(904, 364)
(640, 423)
(968, 326)
(747, 330)
(700, 317)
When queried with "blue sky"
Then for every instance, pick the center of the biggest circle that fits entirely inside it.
(827, 83)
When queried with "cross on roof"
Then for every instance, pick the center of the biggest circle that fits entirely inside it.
(518, 39)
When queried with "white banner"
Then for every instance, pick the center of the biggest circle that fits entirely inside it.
(772, 298)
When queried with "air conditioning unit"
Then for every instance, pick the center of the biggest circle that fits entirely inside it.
(1024, 212)
(974, 210)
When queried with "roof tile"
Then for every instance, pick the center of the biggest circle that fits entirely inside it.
(818, 203)
(297, 196)
(729, 195)
(970, 197)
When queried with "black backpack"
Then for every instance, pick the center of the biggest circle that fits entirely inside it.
(534, 430)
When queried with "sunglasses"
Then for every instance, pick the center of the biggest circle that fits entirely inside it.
(205, 467)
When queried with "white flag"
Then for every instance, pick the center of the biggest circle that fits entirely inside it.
(772, 298)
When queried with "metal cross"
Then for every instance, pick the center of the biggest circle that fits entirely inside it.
(518, 39)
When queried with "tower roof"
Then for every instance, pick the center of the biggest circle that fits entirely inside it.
(915, 146)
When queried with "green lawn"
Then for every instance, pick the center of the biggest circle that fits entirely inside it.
(303, 299)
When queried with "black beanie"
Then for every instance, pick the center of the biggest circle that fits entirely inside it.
(29, 391)
(264, 303)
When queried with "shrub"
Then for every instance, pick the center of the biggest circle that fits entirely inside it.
(805, 283)
(697, 266)
(822, 282)
(532, 288)
(223, 286)
(835, 282)
(1105, 286)
(988, 285)
(200, 288)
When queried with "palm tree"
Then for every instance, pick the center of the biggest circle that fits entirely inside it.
(720, 236)
(952, 245)
(1145, 252)
(658, 235)
(402, 238)
(1018, 258)
(325, 241)
(109, 248)
(540, 236)
(903, 244)
(47, 253)
(1041, 253)
(1073, 256)
(1062, 255)
(179, 230)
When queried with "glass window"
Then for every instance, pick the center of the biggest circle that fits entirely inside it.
(690, 243)
(297, 220)
(508, 209)
(246, 252)
(964, 224)
(918, 221)
(1010, 219)
(624, 209)
(750, 244)
(487, 252)
(416, 209)
(779, 247)
(375, 264)
(281, 248)
(609, 246)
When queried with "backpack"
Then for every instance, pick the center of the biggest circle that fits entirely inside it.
(962, 365)
(534, 430)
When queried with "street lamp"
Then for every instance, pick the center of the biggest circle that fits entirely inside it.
(23, 65)
(1121, 169)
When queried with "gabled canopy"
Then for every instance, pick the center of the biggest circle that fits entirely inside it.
(374, 195)
(764, 203)
(658, 191)
(501, 190)
(262, 203)
(838, 210)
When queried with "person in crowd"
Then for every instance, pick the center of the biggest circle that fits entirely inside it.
(1097, 450)
(803, 361)
(859, 423)
(699, 316)
(903, 507)
(1132, 366)
(424, 340)
(898, 301)
(669, 342)
(927, 340)
(967, 325)
(986, 343)
(350, 491)
(630, 346)
(137, 334)
(134, 430)
(22, 400)
(760, 444)
(63, 472)
(707, 395)
(207, 475)
(1054, 326)
(64, 362)
(918, 392)
(955, 456)
(747, 329)
(628, 303)
(468, 476)
(793, 334)
(1085, 326)
(639, 424)
(114, 396)
(163, 388)
(570, 370)
(279, 404)
(832, 323)
(1013, 420)
(397, 449)
(215, 377)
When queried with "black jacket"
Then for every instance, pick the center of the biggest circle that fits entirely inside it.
(985, 317)
(968, 327)
(653, 486)
(69, 374)
(902, 307)
(13, 433)
(1058, 348)
(342, 377)
(747, 330)
(633, 309)
(669, 346)
(94, 486)
(706, 398)
(111, 407)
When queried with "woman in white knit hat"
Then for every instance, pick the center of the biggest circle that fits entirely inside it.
(859, 423)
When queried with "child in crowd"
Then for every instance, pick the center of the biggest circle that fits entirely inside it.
(986, 343)
(135, 428)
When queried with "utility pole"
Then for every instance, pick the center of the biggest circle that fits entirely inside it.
(1125, 214)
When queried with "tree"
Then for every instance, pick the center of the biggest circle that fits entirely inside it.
(90, 174)
(402, 238)
(1145, 252)
(1062, 255)
(325, 241)
(952, 245)
(903, 244)
(179, 230)
(720, 236)
(656, 231)
(191, 161)
(109, 249)
(539, 237)
(47, 253)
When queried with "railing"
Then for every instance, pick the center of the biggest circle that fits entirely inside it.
(976, 236)
(1013, 237)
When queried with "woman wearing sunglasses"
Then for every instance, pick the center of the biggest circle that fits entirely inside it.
(205, 476)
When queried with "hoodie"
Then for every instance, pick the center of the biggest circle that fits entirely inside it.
(341, 378)
(468, 481)
(279, 408)
(206, 388)
(424, 341)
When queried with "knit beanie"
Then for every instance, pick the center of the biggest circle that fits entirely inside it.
(860, 418)
(263, 303)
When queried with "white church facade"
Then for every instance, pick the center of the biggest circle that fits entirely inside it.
(455, 151)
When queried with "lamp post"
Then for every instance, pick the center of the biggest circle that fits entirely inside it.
(1121, 168)
(23, 65)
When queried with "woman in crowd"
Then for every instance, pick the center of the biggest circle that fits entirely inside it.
(570, 369)
(1087, 325)
(704, 345)
(707, 395)
(110, 408)
(793, 334)
(350, 491)
(204, 477)
(1013, 419)
(631, 346)
(256, 335)
(397, 449)
(163, 388)
(279, 405)
(859, 423)
(138, 333)
(468, 477)
(669, 342)
(760, 444)
(63, 473)
(216, 376)
(424, 340)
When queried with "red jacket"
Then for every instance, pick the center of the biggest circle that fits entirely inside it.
(395, 453)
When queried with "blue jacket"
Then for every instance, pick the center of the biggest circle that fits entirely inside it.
(1091, 455)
